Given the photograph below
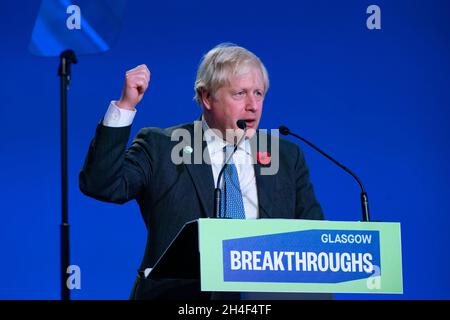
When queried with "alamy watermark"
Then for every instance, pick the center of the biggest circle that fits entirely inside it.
(189, 150)
(373, 22)
(74, 279)
(74, 20)
(374, 281)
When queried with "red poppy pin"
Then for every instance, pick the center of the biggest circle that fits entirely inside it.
(263, 158)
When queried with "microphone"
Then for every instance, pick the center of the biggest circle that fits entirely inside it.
(241, 124)
(364, 198)
(217, 192)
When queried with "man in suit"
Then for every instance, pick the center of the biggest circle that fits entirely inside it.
(231, 85)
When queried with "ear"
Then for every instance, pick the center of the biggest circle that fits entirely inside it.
(206, 99)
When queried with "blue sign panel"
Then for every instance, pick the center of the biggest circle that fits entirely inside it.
(311, 256)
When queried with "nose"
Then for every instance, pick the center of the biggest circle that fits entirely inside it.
(251, 103)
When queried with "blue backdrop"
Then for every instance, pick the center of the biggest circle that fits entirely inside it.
(377, 100)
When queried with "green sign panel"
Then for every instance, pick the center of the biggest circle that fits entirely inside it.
(276, 255)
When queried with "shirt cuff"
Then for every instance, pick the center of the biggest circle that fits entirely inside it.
(118, 117)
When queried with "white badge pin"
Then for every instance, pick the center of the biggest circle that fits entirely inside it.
(188, 149)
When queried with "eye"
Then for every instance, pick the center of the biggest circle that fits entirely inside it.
(259, 94)
(239, 94)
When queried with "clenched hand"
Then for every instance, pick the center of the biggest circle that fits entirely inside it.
(136, 83)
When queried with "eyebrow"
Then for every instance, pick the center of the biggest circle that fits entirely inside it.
(246, 89)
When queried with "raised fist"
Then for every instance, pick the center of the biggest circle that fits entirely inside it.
(136, 82)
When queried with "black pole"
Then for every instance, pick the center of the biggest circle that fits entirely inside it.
(66, 59)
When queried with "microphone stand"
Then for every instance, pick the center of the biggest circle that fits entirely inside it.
(67, 57)
(364, 198)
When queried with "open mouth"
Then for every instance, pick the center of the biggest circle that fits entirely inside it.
(250, 123)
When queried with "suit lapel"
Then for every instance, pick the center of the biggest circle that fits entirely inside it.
(265, 184)
(201, 173)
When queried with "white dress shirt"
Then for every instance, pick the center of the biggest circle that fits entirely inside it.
(242, 158)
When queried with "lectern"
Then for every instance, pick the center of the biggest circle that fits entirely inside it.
(279, 255)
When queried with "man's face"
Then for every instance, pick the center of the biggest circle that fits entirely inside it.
(241, 99)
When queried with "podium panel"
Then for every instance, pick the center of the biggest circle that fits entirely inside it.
(278, 255)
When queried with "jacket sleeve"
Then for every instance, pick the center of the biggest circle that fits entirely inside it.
(112, 173)
(307, 206)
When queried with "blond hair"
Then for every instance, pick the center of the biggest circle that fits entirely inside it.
(222, 62)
